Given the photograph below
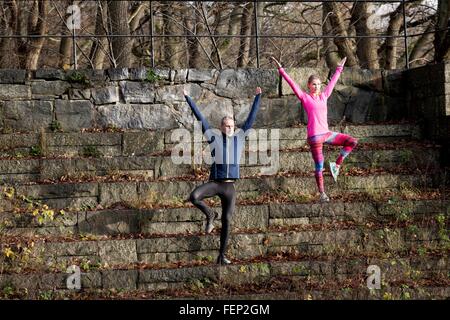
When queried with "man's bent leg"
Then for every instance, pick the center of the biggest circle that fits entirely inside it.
(207, 190)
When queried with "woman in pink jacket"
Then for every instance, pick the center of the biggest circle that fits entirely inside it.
(315, 104)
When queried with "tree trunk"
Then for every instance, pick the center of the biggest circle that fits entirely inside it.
(366, 48)
(136, 16)
(442, 38)
(215, 49)
(395, 23)
(118, 20)
(37, 25)
(21, 43)
(244, 46)
(219, 26)
(253, 31)
(193, 23)
(8, 60)
(330, 49)
(65, 45)
(99, 45)
(138, 44)
(234, 18)
(65, 53)
(337, 23)
(171, 48)
(421, 48)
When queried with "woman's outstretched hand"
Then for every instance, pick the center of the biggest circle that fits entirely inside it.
(342, 62)
(258, 90)
(275, 61)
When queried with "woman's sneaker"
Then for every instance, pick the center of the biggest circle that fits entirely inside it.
(222, 260)
(210, 222)
(334, 168)
(324, 198)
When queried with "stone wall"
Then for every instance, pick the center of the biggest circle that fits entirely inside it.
(153, 99)
(148, 153)
(428, 100)
(71, 101)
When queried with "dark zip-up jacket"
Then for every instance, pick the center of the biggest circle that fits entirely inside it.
(225, 151)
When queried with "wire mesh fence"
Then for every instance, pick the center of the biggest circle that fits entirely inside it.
(214, 34)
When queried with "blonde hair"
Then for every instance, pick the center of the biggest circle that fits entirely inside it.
(313, 77)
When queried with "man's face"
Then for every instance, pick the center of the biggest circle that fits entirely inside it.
(227, 127)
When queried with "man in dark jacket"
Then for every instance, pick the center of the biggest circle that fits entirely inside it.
(226, 150)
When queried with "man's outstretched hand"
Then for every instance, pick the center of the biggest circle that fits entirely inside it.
(185, 92)
(275, 61)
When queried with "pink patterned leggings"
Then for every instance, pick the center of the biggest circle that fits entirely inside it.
(334, 139)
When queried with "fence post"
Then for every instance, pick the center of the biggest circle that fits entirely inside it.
(152, 25)
(405, 35)
(74, 41)
(255, 10)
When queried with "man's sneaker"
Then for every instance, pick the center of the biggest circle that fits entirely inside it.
(210, 222)
(324, 198)
(222, 260)
(334, 168)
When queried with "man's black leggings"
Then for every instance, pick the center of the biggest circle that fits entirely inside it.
(227, 195)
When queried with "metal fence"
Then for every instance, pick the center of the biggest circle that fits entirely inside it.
(257, 36)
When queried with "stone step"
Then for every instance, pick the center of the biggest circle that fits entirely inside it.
(267, 291)
(393, 292)
(319, 239)
(134, 143)
(147, 263)
(157, 167)
(426, 272)
(266, 216)
(143, 194)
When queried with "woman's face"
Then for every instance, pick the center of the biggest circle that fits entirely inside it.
(315, 86)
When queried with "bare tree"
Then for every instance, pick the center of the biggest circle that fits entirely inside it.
(442, 38)
(228, 24)
(366, 48)
(395, 23)
(211, 35)
(137, 13)
(100, 44)
(422, 47)
(172, 50)
(337, 23)
(9, 26)
(202, 22)
(118, 21)
(29, 49)
(252, 53)
(194, 26)
(244, 46)
(330, 49)
(65, 47)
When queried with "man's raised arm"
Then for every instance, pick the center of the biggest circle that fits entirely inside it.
(252, 115)
(198, 115)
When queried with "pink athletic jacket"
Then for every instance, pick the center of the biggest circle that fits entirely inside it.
(316, 107)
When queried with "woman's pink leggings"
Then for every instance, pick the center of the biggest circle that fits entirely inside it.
(334, 139)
